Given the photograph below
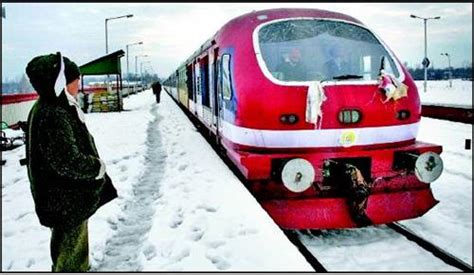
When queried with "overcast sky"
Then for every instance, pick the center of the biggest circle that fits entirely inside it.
(172, 31)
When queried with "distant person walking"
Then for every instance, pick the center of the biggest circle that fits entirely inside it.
(156, 87)
(68, 179)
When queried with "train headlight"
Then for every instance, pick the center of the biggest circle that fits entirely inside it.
(298, 175)
(289, 119)
(348, 116)
(428, 167)
(403, 114)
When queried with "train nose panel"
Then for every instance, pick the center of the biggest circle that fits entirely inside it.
(332, 213)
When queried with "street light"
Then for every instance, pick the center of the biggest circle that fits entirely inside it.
(450, 73)
(141, 69)
(136, 62)
(138, 43)
(106, 34)
(426, 62)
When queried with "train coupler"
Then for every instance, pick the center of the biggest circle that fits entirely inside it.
(353, 186)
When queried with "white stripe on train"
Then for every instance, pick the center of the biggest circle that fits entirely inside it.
(319, 138)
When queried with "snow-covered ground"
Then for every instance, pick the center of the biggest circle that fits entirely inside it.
(449, 224)
(439, 93)
(180, 208)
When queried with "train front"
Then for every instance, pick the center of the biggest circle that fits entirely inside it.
(338, 117)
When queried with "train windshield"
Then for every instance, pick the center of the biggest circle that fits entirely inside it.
(316, 50)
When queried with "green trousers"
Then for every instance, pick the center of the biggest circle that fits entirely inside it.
(70, 249)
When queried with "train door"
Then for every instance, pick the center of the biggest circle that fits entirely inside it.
(182, 87)
(175, 86)
(194, 86)
(198, 98)
(205, 90)
(214, 80)
(224, 88)
(190, 87)
(218, 97)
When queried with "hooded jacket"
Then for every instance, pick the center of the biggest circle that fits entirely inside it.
(66, 174)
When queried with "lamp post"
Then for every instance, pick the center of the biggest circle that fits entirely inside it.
(138, 43)
(141, 69)
(426, 62)
(449, 67)
(136, 62)
(106, 34)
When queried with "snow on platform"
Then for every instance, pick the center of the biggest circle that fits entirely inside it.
(179, 206)
(449, 223)
(440, 94)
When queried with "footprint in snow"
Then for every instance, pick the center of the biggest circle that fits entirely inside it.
(30, 262)
(21, 216)
(215, 244)
(10, 265)
(156, 195)
(123, 168)
(97, 255)
(218, 261)
(112, 223)
(210, 209)
(196, 233)
(149, 252)
(176, 222)
(166, 248)
(8, 234)
(247, 231)
(183, 253)
(177, 219)
(182, 167)
(111, 252)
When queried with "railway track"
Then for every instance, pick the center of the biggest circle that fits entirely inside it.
(309, 248)
(292, 235)
(438, 252)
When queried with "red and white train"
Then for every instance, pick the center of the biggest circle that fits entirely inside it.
(294, 96)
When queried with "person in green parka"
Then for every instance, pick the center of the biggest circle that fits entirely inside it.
(68, 179)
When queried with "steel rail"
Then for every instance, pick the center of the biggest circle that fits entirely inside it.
(438, 252)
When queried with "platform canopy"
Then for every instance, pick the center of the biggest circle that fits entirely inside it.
(107, 64)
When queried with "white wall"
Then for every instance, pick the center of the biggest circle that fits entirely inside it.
(12, 113)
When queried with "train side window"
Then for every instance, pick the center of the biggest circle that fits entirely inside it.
(189, 81)
(226, 79)
(205, 81)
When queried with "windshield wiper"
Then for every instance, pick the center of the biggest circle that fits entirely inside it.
(347, 76)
